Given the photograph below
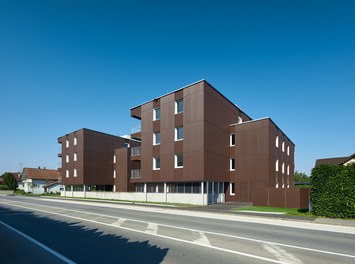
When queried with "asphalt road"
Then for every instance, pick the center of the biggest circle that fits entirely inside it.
(37, 230)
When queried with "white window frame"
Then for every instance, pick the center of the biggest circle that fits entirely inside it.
(75, 141)
(240, 119)
(126, 145)
(230, 139)
(67, 143)
(176, 106)
(231, 189)
(176, 161)
(155, 113)
(114, 188)
(277, 180)
(67, 173)
(277, 165)
(283, 167)
(114, 158)
(176, 133)
(114, 174)
(75, 173)
(155, 138)
(155, 163)
(231, 164)
(75, 157)
(283, 146)
(67, 158)
(288, 169)
(277, 141)
(288, 150)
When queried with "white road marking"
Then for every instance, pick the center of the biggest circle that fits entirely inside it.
(202, 240)
(152, 228)
(120, 221)
(224, 217)
(282, 254)
(53, 252)
(189, 229)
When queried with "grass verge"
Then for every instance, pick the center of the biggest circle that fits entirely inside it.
(288, 211)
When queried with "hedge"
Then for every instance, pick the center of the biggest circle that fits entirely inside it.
(3, 187)
(333, 191)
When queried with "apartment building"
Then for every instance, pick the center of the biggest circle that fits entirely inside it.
(89, 161)
(194, 146)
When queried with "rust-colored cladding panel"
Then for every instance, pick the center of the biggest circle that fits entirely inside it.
(147, 142)
(136, 112)
(94, 151)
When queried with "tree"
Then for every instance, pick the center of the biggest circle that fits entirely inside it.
(301, 177)
(10, 181)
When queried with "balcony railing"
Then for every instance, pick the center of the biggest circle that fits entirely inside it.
(136, 129)
(135, 174)
(136, 151)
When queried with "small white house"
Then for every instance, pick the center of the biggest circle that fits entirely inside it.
(54, 187)
(35, 180)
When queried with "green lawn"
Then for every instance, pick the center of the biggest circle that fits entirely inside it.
(289, 211)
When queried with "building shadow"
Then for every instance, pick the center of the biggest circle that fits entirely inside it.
(76, 241)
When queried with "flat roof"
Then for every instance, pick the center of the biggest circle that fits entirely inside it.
(181, 88)
(260, 119)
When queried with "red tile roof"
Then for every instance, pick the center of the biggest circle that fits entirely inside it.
(40, 174)
(334, 161)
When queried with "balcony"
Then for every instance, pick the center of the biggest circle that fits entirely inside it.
(136, 174)
(136, 151)
(59, 155)
(136, 112)
(136, 132)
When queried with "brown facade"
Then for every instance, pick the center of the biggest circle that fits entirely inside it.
(87, 157)
(191, 140)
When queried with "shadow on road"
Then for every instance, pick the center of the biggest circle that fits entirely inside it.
(76, 241)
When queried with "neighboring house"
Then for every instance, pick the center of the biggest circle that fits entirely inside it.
(34, 180)
(54, 187)
(194, 146)
(337, 161)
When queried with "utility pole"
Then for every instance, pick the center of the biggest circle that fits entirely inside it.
(21, 165)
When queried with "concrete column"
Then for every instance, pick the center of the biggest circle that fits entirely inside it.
(71, 189)
(145, 191)
(84, 189)
(202, 192)
(65, 190)
(165, 192)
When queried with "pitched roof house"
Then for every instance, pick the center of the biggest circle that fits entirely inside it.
(337, 161)
(35, 179)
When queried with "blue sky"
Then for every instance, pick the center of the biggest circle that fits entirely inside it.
(65, 65)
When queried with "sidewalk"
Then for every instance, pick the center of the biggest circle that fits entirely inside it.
(225, 208)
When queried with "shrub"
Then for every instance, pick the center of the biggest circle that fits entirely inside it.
(333, 191)
(3, 187)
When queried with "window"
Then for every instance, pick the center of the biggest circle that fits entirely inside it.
(277, 165)
(114, 188)
(288, 169)
(67, 143)
(277, 141)
(240, 119)
(232, 164)
(232, 140)
(283, 146)
(114, 173)
(67, 173)
(277, 180)
(232, 188)
(179, 161)
(126, 145)
(75, 141)
(179, 106)
(75, 173)
(75, 158)
(156, 163)
(179, 133)
(156, 138)
(283, 167)
(288, 150)
(156, 114)
(67, 158)
(114, 158)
